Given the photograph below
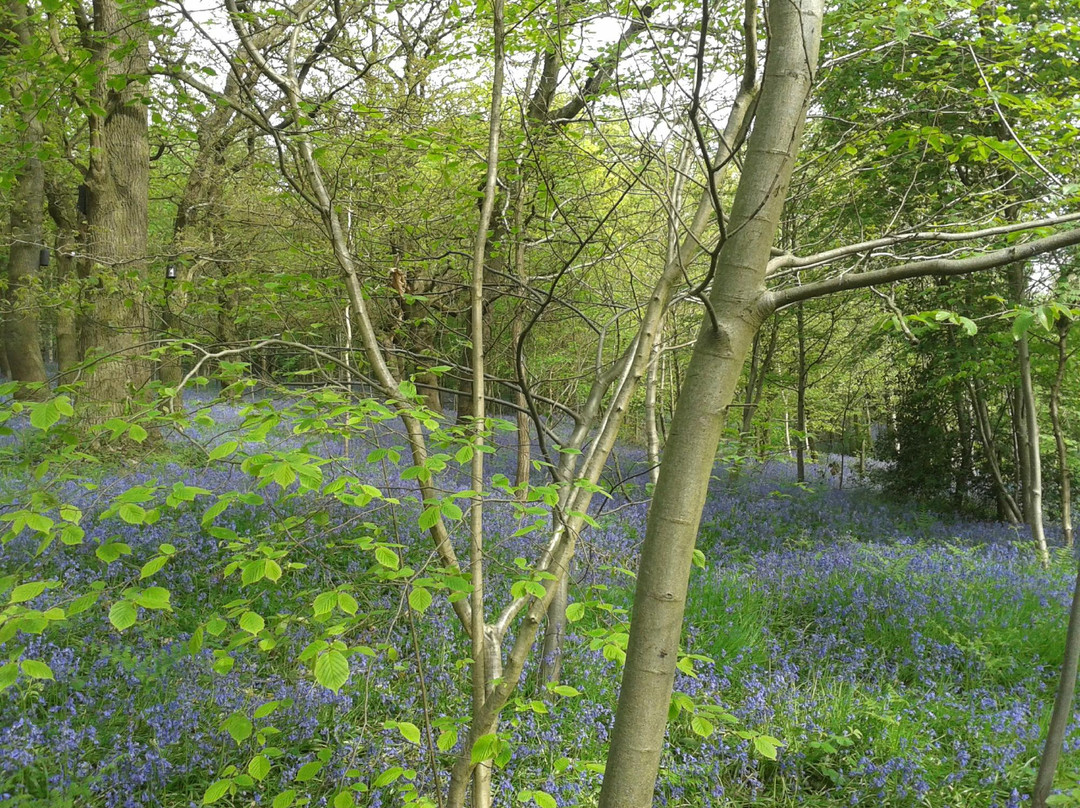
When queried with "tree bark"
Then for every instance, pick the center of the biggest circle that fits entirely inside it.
(802, 441)
(1063, 326)
(1063, 703)
(739, 302)
(21, 336)
(115, 320)
(1010, 509)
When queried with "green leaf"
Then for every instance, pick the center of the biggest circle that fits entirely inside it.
(419, 599)
(766, 745)
(332, 670)
(325, 603)
(308, 771)
(544, 800)
(428, 518)
(123, 614)
(485, 748)
(111, 551)
(347, 603)
(702, 726)
(447, 739)
(137, 433)
(9, 673)
(132, 514)
(154, 597)
(285, 799)
(238, 726)
(36, 670)
(152, 566)
(44, 415)
(387, 557)
(266, 709)
(387, 777)
(224, 450)
(575, 611)
(25, 592)
(410, 732)
(216, 791)
(252, 623)
(259, 767)
(344, 799)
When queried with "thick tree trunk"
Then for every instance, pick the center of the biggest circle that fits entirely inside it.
(62, 211)
(740, 303)
(115, 320)
(21, 337)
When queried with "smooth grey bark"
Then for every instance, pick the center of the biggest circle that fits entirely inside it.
(800, 394)
(1027, 431)
(21, 337)
(1064, 324)
(739, 302)
(652, 434)
(1034, 454)
(1063, 703)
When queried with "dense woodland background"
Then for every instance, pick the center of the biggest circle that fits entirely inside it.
(343, 252)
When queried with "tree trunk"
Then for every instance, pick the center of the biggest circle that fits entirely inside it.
(1008, 506)
(1034, 454)
(21, 337)
(555, 633)
(1028, 430)
(740, 304)
(1063, 704)
(652, 436)
(802, 440)
(116, 322)
(1063, 326)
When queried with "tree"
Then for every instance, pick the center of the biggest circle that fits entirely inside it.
(116, 320)
(21, 341)
(741, 300)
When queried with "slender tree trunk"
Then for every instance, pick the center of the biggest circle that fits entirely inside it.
(522, 473)
(1063, 326)
(20, 322)
(1034, 454)
(1008, 505)
(740, 305)
(802, 444)
(1028, 430)
(1063, 705)
(115, 320)
(652, 435)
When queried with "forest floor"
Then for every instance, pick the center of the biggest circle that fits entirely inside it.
(882, 654)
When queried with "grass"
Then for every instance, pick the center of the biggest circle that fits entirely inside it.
(901, 659)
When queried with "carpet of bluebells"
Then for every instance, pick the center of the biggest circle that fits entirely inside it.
(902, 658)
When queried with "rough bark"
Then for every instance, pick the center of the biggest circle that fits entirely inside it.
(20, 322)
(737, 299)
(115, 322)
